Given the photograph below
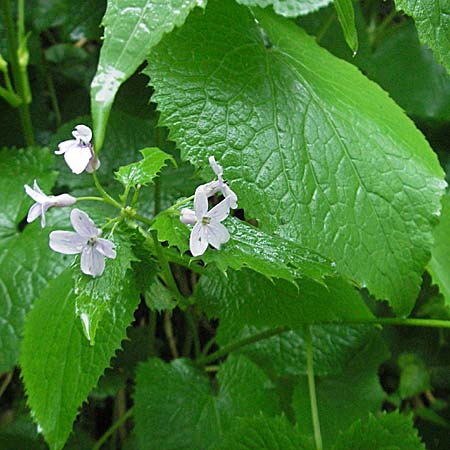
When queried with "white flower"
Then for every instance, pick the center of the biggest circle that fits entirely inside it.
(207, 227)
(86, 241)
(219, 185)
(44, 202)
(78, 152)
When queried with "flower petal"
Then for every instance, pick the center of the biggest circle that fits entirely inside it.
(217, 234)
(198, 242)
(227, 192)
(66, 145)
(188, 216)
(221, 210)
(106, 248)
(37, 189)
(34, 212)
(92, 262)
(83, 224)
(93, 165)
(66, 242)
(83, 133)
(77, 158)
(63, 200)
(44, 209)
(200, 202)
(37, 196)
(217, 168)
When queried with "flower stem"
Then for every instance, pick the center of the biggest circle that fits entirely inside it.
(96, 199)
(105, 195)
(109, 432)
(312, 387)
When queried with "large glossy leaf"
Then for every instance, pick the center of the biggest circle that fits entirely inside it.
(439, 265)
(177, 407)
(388, 431)
(248, 298)
(314, 150)
(432, 22)
(23, 273)
(59, 366)
(132, 28)
(288, 8)
(344, 398)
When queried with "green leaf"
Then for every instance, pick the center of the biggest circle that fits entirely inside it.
(59, 367)
(431, 18)
(158, 297)
(414, 375)
(288, 8)
(314, 151)
(386, 432)
(248, 298)
(252, 248)
(94, 295)
(178, 407)
(23, 273)
(264, 433)
(346, 16)
(284, 355)
(410, 73)
(439, 265)
(344, 398)
(143, 171)
(132, 28)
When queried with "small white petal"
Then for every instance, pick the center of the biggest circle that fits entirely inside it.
(217, 234)
(106, 248)
(77, 158)
(92, 262)
(37, 196)
(83, 224)
(63, 200)
(93, 165)
(188, 216)
(37, 189)
(198, 242)
(66, 145)
(217, 168)
(66, 242)
(200, 202)
(34, 212)
(211, 188)
(83, 133)
(44, 208)
(220, 211)
(227, 192)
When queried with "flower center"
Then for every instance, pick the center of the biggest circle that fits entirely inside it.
(91, 242)
(206, 220)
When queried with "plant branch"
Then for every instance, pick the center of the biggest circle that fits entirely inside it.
(312, 388)
(105, 195)
(109, 432)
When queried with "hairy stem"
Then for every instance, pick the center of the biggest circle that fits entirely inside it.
(312, 388)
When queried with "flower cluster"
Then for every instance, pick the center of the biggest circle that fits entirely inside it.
(86, 240)
(208, 228)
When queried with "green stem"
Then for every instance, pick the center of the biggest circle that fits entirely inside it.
(181, 203)
(193, 329)
(324, 28)
(5, 383)
(168, 329)
(105, 195)
(96, 199)
(11, 97)
(109, 432)
(142, 219)
(428, 323)
(53, 96)
(20, 79)
(242, 343)
(376, 35)
(312, 387)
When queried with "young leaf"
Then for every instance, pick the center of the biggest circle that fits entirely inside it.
(346, 16)
(388, 431)
(250, 247)
(344, 398)
(59, 367)
(288, 8)
(94, 295)
(431, 18)
(177, 406)
(314, 151)
(439, 265)
(132, 28)
(143, 171)
(264, 433)
(247, 298)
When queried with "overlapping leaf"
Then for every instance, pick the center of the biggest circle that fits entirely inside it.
(314, 150)
(176, 407)
(59, 366)
(132, 28)
(288, 8)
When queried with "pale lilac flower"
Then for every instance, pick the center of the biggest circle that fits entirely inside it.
(84, 240)
(219, 185)
(207, 227)
(44, 202)
(78, 152)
